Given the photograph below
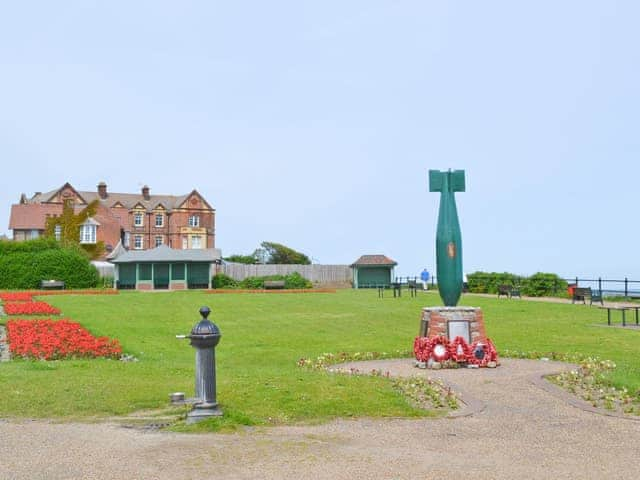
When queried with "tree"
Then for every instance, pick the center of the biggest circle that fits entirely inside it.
(280, 254)
(69, 223)
(246, 259)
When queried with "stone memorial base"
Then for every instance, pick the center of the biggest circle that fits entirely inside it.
(451, 322)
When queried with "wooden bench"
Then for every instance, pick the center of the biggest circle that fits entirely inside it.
(273, 284)
(581, 293)
(52, 284)
(508, 291)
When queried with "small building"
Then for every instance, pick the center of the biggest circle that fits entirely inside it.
(164, 268)
(371, 271)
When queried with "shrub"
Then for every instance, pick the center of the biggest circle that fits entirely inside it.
(221, 280)
(544, 285)
(23, 266)
(292, 281)
(484, 282)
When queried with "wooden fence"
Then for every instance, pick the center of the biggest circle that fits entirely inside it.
(336, 275)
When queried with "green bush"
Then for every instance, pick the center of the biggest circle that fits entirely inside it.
(221, 280)
(293, 281)
(544, 285)
(537, 285)
(24, 264)
(484, 282)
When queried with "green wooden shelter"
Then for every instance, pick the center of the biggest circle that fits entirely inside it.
(371, 271)
(165, 268)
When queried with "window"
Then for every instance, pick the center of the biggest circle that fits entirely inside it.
(57, 232)
(127, 239)
(87, 233)
(177, 271)
(194, 221)
(137, 219)
(196, 241)
(137, 242)
(145, 271)
(185, 243)
(159, 219)
(35, 234)
(159, 240)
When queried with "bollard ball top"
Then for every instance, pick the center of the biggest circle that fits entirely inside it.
(205, 311)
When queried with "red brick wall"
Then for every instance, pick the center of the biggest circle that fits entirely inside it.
(438, 317)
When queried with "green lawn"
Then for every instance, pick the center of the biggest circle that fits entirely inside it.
(263, 336)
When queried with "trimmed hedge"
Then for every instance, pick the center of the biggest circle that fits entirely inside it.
(537, 285)
(24, 264)
(292, 281)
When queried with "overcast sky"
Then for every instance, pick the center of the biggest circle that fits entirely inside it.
(314, 124)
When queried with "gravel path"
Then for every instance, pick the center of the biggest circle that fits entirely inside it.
(515, 430)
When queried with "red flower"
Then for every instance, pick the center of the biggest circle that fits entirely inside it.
(30, 308)
(50, 339)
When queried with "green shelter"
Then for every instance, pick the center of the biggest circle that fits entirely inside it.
(164, 268)
(371, 271)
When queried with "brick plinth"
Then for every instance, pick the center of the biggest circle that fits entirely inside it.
(434, 321)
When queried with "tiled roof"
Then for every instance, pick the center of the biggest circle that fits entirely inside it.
(128, 200)
(28, 216)
(373, 260)
(163, 253)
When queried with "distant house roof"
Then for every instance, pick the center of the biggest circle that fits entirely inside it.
(26, 217)
(126, 200)
(163, 253)
(373, 260)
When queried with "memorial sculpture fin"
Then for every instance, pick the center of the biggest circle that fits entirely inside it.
(448, 237)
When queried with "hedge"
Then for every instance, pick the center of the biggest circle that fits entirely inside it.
(537, 285)
(292, 281)
(24, 264)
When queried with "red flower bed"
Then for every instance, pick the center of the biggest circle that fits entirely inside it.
(440, 349)
(16, 297)
(53, 339)
(30, 308)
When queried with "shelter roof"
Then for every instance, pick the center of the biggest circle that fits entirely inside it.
(374, 260)
(163, 253)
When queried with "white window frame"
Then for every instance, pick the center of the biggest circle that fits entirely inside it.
(138, 242)
(194, 221)
(127, 239)
(57, 232)
(159, 216)
(196, 242)
(136, 216)
(160, 242)
(185, 243)
(88, 233)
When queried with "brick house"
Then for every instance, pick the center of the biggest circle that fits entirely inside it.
(138, 221)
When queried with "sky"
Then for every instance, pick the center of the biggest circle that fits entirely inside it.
(314, 124)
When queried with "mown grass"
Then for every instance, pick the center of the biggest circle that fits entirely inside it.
(263, 336)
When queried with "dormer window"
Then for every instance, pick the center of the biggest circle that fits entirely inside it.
(88, 231)
(194, 221)
(138, 219)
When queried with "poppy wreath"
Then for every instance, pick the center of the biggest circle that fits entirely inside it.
(489, 353)
(422, 348)
(439, 354)
(459, 350)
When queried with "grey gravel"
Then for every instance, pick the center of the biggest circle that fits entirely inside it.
(516, 430)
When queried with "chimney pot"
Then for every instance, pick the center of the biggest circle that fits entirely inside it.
(102, 190)
(145, 192)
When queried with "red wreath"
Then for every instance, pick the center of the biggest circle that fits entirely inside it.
(489, 353)
(459, 350)
(422, 348)
(440, 340)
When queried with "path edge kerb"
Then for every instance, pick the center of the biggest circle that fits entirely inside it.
(543, 383)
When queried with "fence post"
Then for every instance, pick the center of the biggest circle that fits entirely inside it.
(600, 285)
(576, 282)
(626, 287)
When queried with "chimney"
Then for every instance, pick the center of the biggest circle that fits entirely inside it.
(102, 190)
(145, 192)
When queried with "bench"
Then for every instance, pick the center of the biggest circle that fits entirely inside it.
(273, 284)
(581, 293)
(52, 284)
(508, 291)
